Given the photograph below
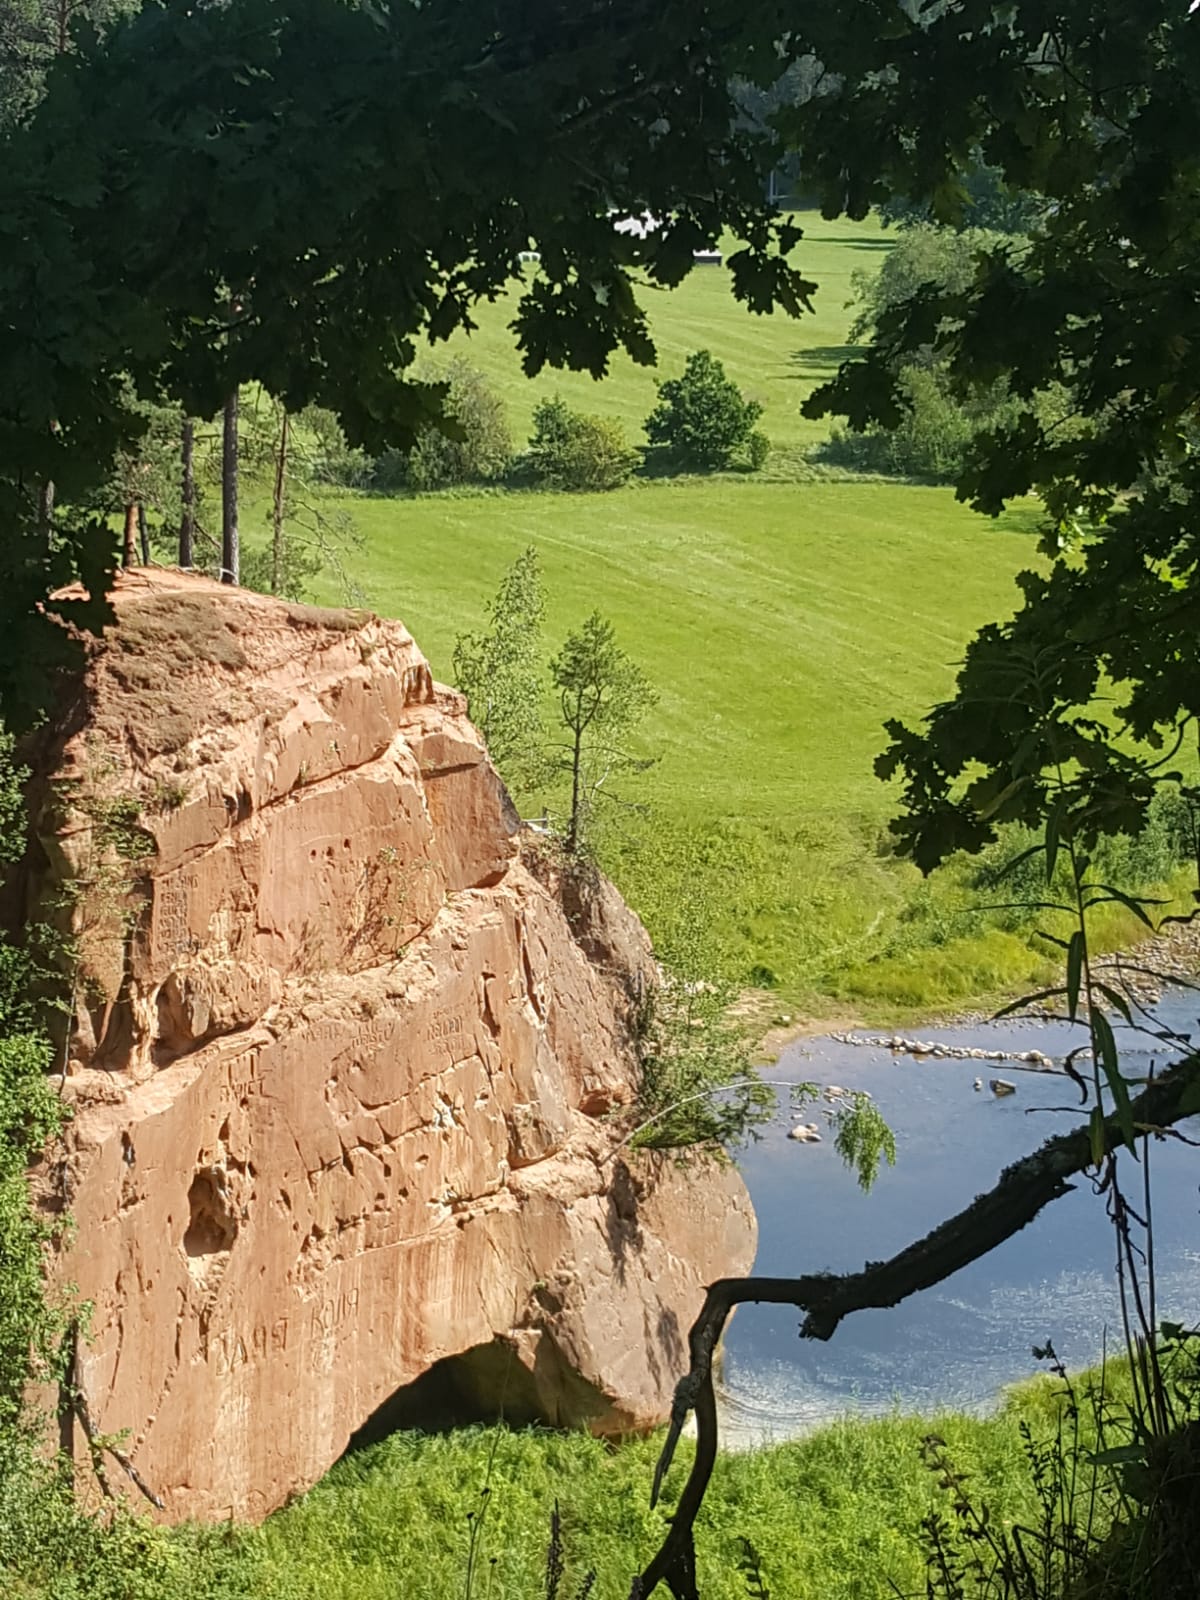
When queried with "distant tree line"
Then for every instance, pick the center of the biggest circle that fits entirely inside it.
(701, 423)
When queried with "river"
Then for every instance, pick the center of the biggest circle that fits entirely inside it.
(956, 1344)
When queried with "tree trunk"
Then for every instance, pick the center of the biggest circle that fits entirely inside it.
(129, 540)
(576, 773)
(46, 510)
(230, 554)
(143, 534)
(187, 517)
(278, 507)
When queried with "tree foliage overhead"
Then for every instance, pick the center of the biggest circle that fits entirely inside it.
(299, 192)
(990, 203)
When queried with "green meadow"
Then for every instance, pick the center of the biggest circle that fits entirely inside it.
(781, 617)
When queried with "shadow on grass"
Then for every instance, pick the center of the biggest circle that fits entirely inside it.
(818, 361)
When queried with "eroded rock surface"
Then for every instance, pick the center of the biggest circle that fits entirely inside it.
(342, 1067)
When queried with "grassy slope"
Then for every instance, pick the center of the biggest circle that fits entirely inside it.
(780, 623)
(775, 359)
(781, 618)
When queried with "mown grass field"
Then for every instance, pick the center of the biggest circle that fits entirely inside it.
(779, 623)
(781, 617)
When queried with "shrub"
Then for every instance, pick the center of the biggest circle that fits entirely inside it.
(325, 453)
(572, 450)
(477, 448)
(758, 448)
(933, 436)
(702, 418)
(299, 566)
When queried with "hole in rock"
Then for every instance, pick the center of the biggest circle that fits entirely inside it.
(486, 1384)
(211, 1227)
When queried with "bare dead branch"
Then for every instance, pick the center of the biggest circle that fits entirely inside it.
(1021, 1192)
(97, 1443)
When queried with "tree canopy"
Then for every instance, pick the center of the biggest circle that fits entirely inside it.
(300, 192)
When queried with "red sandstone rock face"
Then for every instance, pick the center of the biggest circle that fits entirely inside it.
(340, 1063)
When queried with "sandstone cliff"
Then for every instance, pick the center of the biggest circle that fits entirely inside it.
(341, 1067)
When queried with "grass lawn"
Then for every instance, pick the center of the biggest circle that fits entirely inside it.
(780, 623)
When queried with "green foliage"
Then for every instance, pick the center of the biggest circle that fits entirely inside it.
(297, 569)
(33, 33)
(571, 450)
(838, 1515)
(931, 436)
(500, 672)
(30, 1113)
(758, 448)
(697, 1087)
(863, 1139)
(702, 419)
(834, 1516)
(1113, 1494)
(285, 463)
(926, 260)
(602, 697)
(473, 446)
(987, 201)
(929, 443)
(331, 461)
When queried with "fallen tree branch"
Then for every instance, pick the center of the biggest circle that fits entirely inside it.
(97, 1442)
(1022, 1190)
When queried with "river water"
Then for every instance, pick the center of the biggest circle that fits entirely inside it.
(956, 1344)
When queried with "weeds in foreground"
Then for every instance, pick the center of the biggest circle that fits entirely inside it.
(1114, 1506)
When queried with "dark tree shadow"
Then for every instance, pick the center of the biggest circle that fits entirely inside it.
(819, 361)
(621, 1226)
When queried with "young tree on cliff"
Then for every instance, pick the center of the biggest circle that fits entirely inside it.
(280, 457)
(602, 698)
(499, 671)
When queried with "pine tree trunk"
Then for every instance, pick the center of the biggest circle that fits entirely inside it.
(144, 533)
(230, 553)
(187, 517)
(129, 541)
(278, 507)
